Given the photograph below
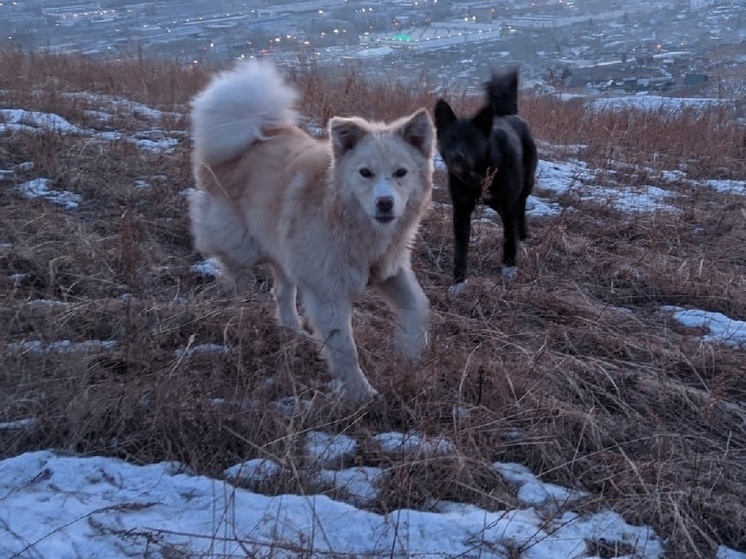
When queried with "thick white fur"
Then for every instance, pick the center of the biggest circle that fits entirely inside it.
(312, 209)
(237, 106)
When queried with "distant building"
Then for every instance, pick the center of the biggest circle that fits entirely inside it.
(304, 6)
(695, 79)
(697, 5)
(434, 37)
(552, 21)
(72, 14)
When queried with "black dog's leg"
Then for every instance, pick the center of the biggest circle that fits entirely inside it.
(511, 224)
(521, 217)
(462, 211)
(528, 186)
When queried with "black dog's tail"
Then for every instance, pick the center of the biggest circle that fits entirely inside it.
(502, 91)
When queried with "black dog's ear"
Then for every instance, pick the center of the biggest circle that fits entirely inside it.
(483, 120)
(444, 115)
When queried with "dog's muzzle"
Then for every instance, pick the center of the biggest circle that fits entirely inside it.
(385, 209)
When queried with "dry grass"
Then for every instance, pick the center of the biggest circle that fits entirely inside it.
(553, 371)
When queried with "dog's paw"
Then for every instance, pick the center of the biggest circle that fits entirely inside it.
(410, 345)
(509, 273)
(411, 349)
(290, 323)
(359, 393)
(361, 396)
(456, 289)
(290, 405)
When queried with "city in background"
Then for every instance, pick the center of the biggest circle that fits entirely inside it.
(683, 47)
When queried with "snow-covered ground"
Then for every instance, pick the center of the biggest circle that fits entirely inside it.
(56, 505)
(61, 506)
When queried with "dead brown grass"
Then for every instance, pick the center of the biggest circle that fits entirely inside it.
(571, 369)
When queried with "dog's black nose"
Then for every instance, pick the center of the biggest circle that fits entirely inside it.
(385, 204)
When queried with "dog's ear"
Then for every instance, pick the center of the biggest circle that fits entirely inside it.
(444, 114)
(483, 120)
(345, 134)
(417, 131)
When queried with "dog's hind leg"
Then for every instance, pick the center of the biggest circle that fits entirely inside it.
(511, 225)
(331, 317)
(285, 293)
(521, 218)
(220, 231)
(404, 295)
(529, 179)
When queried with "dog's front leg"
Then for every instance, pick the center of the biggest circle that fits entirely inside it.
(404, 295)
(331, 318)
(462, 210)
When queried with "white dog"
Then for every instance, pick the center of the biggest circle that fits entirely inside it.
(327, 216)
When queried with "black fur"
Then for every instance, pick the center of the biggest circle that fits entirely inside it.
(494, 143)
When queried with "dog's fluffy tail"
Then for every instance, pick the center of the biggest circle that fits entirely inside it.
(237, 107)
(502, 91)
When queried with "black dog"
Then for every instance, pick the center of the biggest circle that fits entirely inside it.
(491, 157)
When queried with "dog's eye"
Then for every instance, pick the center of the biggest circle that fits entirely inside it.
(365, 172)
(399, 173)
